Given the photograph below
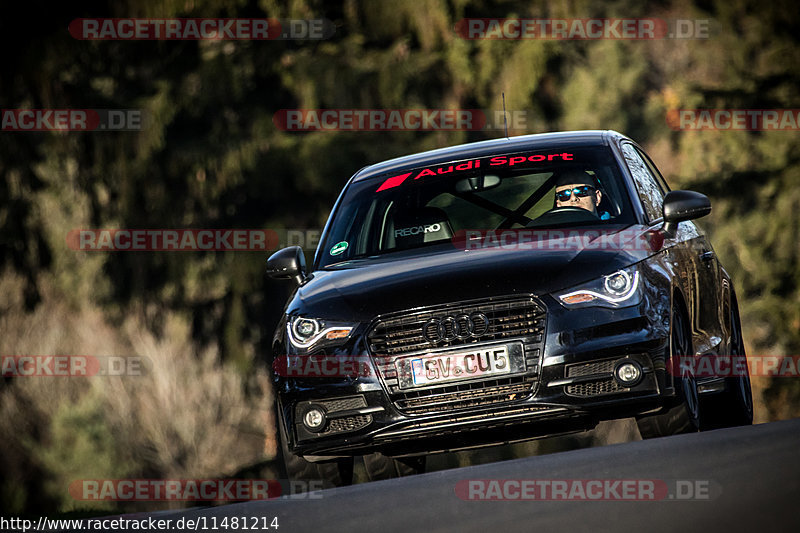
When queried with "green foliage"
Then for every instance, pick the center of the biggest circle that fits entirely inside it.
(80, 445)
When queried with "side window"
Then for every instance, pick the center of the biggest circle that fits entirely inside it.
(647, 186)
(662, 183)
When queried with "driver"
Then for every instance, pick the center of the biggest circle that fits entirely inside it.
(577, 188)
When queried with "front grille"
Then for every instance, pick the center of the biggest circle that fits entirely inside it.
(483, 394)
(508, 319)
(595, 367)
(595, 388)
(348, 423)
(515, 318)
(344, 404)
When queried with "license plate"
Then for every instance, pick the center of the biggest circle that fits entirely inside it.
(454, 366)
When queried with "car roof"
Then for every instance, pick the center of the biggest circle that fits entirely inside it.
(490, 147)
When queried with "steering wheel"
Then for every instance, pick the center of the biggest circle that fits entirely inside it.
(564, 214)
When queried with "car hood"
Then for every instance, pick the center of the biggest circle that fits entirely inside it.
(361, 290)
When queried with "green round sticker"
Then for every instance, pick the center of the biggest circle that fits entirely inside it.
(339, 247)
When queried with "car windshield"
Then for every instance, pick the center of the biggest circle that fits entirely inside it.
(428, 206)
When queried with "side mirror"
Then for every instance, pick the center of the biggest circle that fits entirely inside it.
(288, 263)
(680, 206)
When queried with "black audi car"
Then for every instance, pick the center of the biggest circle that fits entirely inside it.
(501, 291)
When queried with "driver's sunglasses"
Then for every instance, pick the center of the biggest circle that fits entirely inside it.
(580, 192)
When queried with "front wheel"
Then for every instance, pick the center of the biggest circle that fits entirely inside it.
(685, 416)
(734, 406)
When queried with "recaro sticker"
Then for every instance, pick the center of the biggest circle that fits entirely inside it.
(416, 230)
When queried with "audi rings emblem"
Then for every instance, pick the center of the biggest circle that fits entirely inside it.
(458, 327)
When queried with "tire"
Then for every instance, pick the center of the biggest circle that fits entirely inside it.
(379, 466)
(734, 406)
(685, 416)
(300, 473)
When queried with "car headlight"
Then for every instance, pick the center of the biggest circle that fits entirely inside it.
(619, 289)
(303, 332)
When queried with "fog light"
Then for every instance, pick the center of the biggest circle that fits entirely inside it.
(628, 373)
(314, 419)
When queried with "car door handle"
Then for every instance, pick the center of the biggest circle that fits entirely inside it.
(707, 256)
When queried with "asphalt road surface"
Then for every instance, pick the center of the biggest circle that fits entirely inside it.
(742, 479)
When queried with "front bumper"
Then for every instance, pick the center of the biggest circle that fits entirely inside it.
(568, 385)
